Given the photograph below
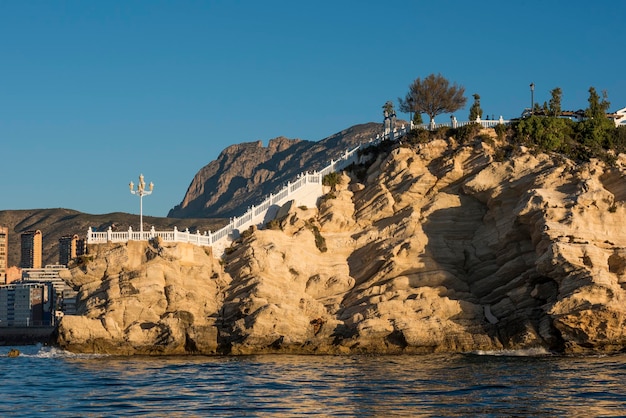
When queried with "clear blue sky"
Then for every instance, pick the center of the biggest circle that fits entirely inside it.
(93, 93)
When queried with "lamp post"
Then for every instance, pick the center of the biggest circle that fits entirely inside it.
(141, 192)
(532, 98)
(410, 100)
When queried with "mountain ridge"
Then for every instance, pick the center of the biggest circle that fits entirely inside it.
(243, 174)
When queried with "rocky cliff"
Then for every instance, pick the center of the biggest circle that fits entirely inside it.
(436, 247)
(244, 174)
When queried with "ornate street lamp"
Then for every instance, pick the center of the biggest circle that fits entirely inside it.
(532, 98)
(141, 192)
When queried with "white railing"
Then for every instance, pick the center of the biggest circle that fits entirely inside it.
(172, 236)
(456, 124)
(257, 215)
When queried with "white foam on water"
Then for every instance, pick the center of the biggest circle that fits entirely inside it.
(525, 352)
(41, 351)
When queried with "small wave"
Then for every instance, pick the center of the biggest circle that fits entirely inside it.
(54, 352)
(524, 352)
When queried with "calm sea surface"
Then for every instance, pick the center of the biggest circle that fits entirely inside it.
(47, 382)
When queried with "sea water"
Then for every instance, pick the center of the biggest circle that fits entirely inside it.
(45, 382)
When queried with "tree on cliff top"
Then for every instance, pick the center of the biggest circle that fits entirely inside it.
(475, 110)
(597, 108)
(433, 95)
(597, 130)
(555, 102)
(388, 108)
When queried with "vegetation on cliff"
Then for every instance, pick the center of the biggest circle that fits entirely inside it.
(545, 131)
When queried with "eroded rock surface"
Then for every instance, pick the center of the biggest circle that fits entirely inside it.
(435, 248)
(145, 298)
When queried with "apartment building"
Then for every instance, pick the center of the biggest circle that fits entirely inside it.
(64, 296)
(31, 250)
(4, 253)
(70, 247)
(26, 305)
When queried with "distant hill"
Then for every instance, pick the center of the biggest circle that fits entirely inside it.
(243, 174)
(55, 223)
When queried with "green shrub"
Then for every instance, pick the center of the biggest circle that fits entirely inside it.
(545, 133)
(332, 180)
(320, 241)
(443, 132)
(273, 224)
(579, 141)
(501, 131)
(467, 132)
(616, 140)
(595, 133)
(418, 136)
(248, 232)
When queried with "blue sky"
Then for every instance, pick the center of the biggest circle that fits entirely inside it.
(93, 93)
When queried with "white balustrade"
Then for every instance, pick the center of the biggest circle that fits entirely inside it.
(256, 214)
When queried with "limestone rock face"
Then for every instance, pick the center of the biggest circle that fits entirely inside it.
(140, 298)
(441, 248)
(434, 247)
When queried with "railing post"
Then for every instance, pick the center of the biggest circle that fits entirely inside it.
(175, 234)
(109, 234)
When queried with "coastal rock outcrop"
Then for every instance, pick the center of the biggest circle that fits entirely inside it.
(435, 247)
(145, 298)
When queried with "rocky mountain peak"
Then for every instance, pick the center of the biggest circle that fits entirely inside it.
(243, 174)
